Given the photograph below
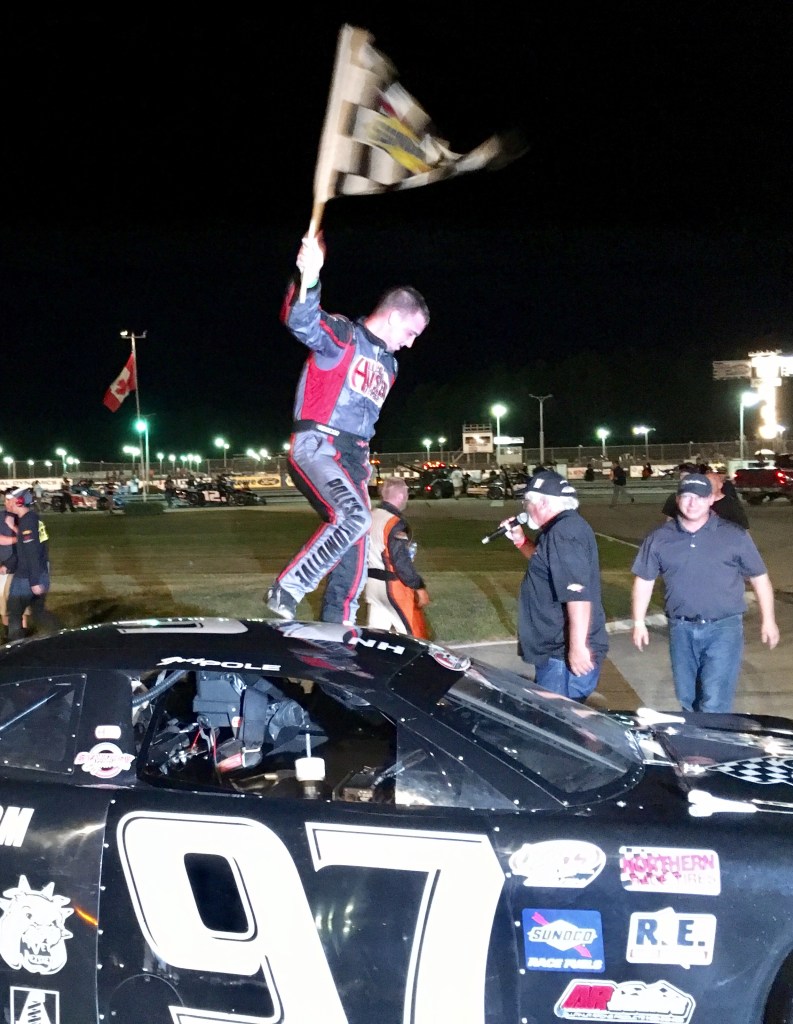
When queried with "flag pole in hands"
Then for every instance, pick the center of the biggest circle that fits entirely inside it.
(341, 97)
(377, 138)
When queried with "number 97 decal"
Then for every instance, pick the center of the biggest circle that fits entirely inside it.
(463, 885)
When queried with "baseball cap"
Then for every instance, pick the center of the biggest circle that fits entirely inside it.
(553, 484)
(23, 496)
(695, 483)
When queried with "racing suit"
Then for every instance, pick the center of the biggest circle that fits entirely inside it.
(392, 583)
(341, 389)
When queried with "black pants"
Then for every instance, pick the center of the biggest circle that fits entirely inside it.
(40, 615)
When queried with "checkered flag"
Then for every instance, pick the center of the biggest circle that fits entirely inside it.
(762, 771)
(377, 138)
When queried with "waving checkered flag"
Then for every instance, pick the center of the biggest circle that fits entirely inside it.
(377, 138)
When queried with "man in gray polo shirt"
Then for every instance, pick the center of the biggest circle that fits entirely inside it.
(704, 562)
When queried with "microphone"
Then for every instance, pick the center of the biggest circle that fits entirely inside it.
(519, 520)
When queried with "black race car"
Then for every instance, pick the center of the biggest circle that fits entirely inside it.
(209, 493)
(253, 822)
(431, 480)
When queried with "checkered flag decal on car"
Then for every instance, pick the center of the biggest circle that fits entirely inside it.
(762, 771)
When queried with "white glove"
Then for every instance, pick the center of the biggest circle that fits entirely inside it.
(311, 258)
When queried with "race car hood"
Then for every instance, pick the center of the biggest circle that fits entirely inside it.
(734, 763)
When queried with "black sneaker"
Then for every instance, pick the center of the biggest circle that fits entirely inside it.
(281, 602)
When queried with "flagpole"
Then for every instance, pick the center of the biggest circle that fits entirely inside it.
(350, 40)
(133, 338)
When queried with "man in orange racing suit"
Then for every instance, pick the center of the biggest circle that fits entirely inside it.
(395, 592)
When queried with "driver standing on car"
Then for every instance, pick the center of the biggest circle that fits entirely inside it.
(346, 379)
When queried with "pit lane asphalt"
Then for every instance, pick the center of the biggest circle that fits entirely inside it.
(632, 679)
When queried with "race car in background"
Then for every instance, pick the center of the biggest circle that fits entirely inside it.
(87, 499)
(250, 822)
(208, 493)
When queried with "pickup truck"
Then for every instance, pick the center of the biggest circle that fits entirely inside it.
(759, 482)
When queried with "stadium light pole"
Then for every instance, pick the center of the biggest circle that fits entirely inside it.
(646, 431)
(160, 457)
(498, 410)
(61, 453)
(427, 442)
(602, 433)
(142, 427)
(9, 461)
(221, 442)
(441, 443)
(541, 399)
(748, 399)
(133, 452)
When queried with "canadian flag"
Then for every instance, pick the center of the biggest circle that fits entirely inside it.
(121, 386)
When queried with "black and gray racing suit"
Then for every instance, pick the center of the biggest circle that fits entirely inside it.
(341, 389)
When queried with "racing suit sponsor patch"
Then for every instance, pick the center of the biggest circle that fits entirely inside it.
(367, 377)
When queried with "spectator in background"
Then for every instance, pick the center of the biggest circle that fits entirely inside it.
(589, 472)
(66, 495)
(31, 582)
(395, 592)
(38, 495)
(619, 484)
(8, 554)
(456, 477)
(170, 491)
(647, 471)
(728, 487)
(725, 505)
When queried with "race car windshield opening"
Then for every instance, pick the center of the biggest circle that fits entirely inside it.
(570, 748)
(36, 708)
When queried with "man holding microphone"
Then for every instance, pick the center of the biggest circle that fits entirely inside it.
(561, 621)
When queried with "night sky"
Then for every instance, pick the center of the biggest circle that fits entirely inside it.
(157, 175)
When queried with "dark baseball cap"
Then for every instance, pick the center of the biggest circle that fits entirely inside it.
(548, 482)
(695, 483)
